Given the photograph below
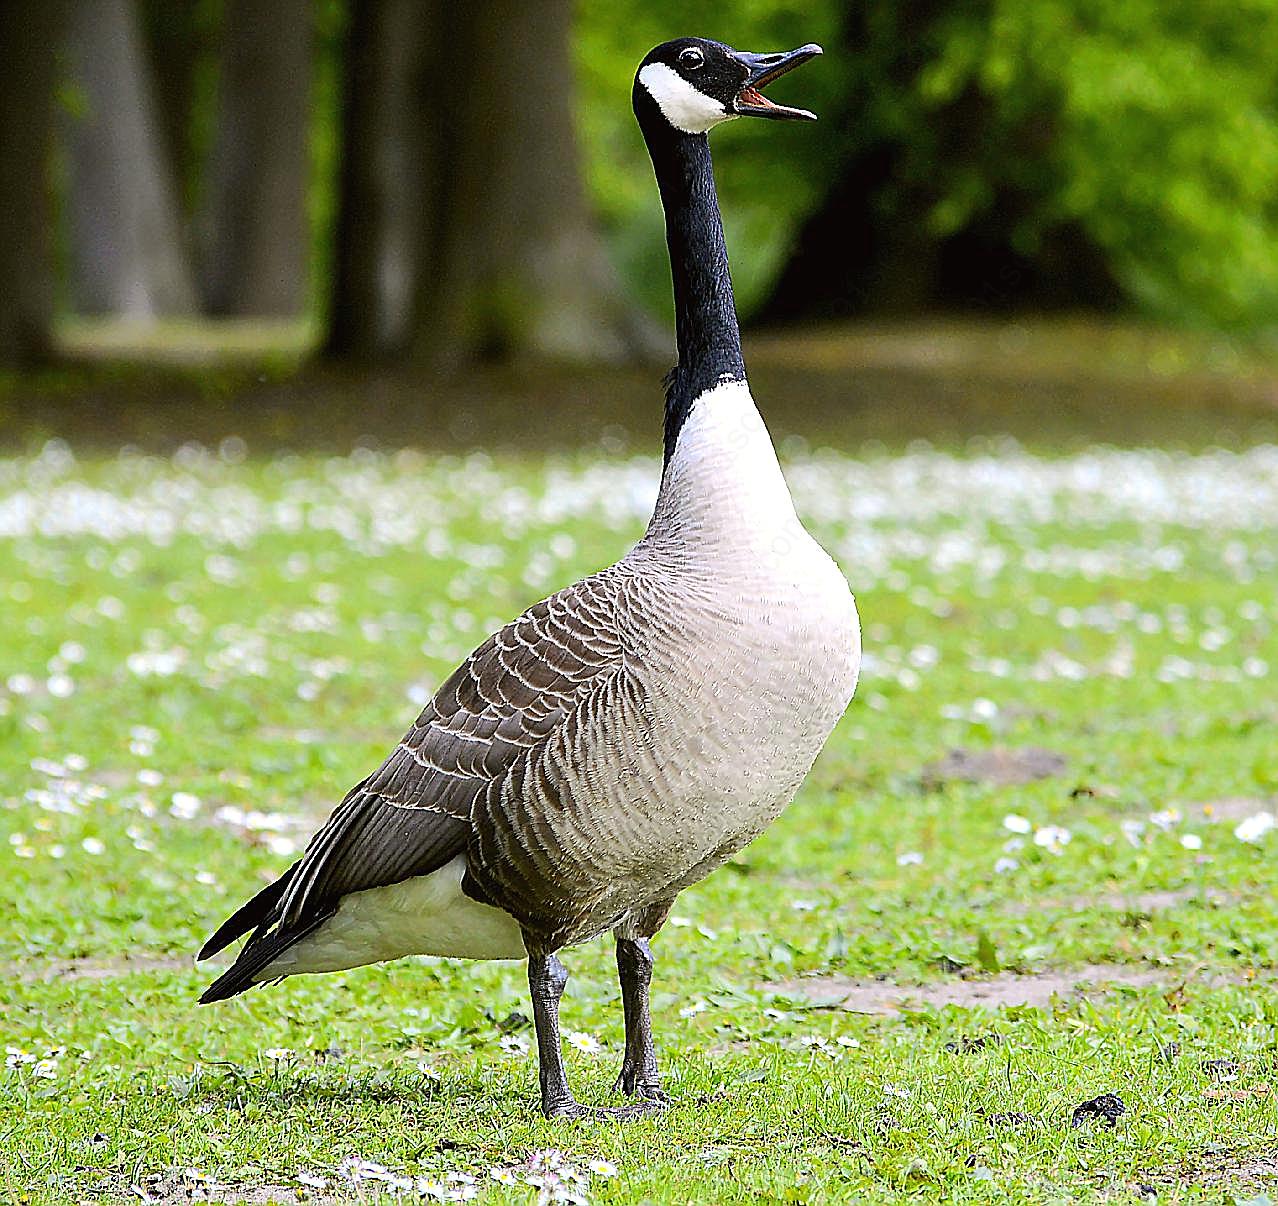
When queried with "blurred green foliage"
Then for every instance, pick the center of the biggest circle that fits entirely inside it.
(1150, 126)
(1146, 129)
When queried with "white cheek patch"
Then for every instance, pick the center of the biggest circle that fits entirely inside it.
(684, 107)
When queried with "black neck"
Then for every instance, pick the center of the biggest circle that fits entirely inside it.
(706, 331)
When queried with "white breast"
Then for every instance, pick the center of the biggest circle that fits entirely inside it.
(724, 506)
(755, 656)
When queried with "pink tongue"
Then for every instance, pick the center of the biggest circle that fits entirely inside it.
(752, 96)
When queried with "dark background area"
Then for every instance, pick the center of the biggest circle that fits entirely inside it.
(333, 218)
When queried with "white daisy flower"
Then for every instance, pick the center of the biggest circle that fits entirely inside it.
(587, 1044)
(1253, 828)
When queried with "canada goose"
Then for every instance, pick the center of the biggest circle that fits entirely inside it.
(622, 738)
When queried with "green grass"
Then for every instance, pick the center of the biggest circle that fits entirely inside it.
(255, 633)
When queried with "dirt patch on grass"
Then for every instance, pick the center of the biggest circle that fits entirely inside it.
(1135, 903)
(1153, 902)
(886, 998)
(1223, 1170)
(1064, 382)
(160, 1189)
(1232, 808)
(998, 767)
(241, 1195)
(30, 970)
(1256, 1169)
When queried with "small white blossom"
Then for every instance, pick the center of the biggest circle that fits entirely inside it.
(1253, 828)
(911, 858)
(1052, 838)
(587, 1044)
(815, 1042)
(1017, 824)
(184, 805)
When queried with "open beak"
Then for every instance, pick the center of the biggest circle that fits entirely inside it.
(763, 69)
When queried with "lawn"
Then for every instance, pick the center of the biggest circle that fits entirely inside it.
(1034, 866)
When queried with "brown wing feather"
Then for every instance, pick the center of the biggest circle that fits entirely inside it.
(413, 814)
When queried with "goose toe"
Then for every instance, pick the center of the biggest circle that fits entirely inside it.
(645, 1107)
(631, 1084)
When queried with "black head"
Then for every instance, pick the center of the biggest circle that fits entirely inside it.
(695, 83)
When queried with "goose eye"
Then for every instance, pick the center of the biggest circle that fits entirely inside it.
(691, 58)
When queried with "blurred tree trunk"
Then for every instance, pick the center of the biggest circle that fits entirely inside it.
(464, 231)
(126, 252)
(514, 262)
(180, 42)
(30, 32)
(254, 233)
(383, 212)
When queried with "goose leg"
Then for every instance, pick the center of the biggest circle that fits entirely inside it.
(639, 1076)
(546, 980)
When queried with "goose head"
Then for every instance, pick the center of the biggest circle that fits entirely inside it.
(693, 84)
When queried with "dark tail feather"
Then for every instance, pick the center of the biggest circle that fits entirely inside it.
(248, 916)
(259, 951)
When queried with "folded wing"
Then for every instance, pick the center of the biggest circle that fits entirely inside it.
(413, 815)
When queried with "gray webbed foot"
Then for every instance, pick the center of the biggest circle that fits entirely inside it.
(630, 1082)
(574, 1110)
